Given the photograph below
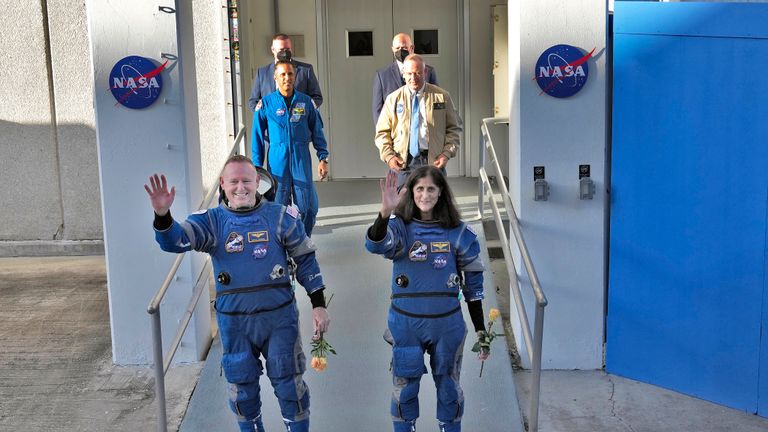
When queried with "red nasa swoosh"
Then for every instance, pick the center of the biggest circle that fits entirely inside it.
(574, 64)
(151, 73)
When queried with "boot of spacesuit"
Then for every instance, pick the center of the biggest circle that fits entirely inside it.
(449, 427)
(252, 425)
(406, 426)
(297, 426)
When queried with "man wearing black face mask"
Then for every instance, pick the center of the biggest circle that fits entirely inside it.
(390, 77)
(306, 80)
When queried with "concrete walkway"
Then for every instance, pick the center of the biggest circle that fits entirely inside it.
(353, 394)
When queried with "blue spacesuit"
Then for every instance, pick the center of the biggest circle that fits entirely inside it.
(425, 314)
(290, 130)
(255, 305)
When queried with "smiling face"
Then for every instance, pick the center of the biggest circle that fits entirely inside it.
(285, 76)
(425, 195)
(240, 181)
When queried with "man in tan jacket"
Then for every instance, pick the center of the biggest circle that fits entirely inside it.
(429, 134)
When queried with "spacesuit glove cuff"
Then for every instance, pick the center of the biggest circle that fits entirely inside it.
(162, 223)
(318, 298)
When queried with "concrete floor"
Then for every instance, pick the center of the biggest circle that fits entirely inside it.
(56, 371)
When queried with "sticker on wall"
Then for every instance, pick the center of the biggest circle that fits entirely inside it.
(136, 81)
(562, 70)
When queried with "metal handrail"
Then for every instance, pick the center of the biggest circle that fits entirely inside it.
(162, 363)
(533, 342)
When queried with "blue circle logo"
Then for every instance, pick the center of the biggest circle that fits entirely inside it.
(136, 81)
(562, 70)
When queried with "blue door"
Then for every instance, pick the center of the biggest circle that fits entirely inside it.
(687, 299)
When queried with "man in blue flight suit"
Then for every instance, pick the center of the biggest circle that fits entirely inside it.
(264, 83)
(250, 240)
(291, 122)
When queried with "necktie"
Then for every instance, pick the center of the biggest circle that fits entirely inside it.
(413, 143)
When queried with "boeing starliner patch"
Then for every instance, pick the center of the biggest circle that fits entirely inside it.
(234, 243)
(418, 252)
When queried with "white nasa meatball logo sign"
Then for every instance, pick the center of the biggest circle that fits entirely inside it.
(136, 82)
(562, 70)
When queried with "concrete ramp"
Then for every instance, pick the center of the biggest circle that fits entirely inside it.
(353, 393)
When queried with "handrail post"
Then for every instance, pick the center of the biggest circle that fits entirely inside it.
(481, 185)
(157, 348)
(538, 335)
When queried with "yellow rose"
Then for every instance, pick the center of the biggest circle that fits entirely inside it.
(319, 363)
(493, 314)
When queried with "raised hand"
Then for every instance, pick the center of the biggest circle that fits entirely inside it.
(159, 195)
(389, 195)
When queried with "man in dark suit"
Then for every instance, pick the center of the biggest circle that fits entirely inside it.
(390, 78)
(306, 80)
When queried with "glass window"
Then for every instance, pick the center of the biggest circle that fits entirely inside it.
(425, 42)
(359, 43)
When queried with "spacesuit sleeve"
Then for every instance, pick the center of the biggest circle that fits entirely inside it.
(193, 234)
(468, 260)
(257, 134)
(391, 245)
(318, 137)
(302, 249)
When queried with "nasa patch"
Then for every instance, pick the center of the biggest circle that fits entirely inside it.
(562, 70)
(439, 262)
(234, 243)
(399, 108)
(418, 252)
(280, 112)
(259, 251)
(136, 82)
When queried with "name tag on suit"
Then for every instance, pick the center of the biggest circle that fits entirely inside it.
(438, 105)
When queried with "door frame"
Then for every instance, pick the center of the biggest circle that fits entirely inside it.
(462, 17)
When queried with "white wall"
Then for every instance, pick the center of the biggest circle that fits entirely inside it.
(133, 144)
(565, 235)
(47, 137)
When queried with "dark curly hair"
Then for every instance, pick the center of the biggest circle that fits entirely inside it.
(445, 211)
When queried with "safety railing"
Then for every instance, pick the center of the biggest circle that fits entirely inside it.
(533, 342)
(162, 363)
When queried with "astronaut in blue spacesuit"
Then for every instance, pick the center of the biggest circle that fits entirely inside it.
(291, 122)
(436, 260)
(250, 240)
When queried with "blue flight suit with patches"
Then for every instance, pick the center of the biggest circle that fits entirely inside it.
(425, 314)
(290, 130)
(255, 305)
